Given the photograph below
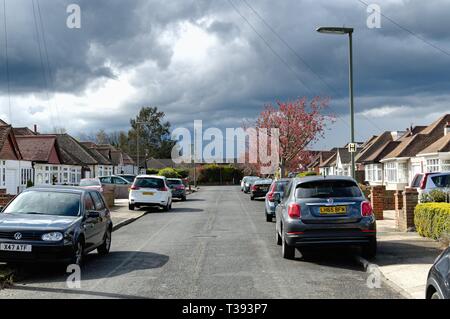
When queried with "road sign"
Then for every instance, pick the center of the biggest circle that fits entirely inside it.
(352, 147)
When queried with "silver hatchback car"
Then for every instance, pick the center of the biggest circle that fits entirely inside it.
(317, 211)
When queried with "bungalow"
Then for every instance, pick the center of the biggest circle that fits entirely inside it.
(15, 172)
(104, 166)
(371, 154)
(43, 152)
(402, 163)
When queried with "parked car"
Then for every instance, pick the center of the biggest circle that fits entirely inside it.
(316, 211)
(244, 181)
(426, 182)
(260, 188)
(92, 183)
(150, 190)
(177, 187)
(277, 187)
(121, 185)
(54, 224)
(438, 283)
(249, 182)
(129, 177)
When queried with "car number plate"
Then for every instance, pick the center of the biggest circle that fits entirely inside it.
(149, 193)
(333, 210)
(16, 247)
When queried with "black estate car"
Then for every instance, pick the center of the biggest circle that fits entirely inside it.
(318, 211)
(54, 224)
(438, 284)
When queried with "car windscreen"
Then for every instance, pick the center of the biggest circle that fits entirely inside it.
(441, 181)
(328, 189)
(280, 186)
(45, 203)
(90, 182)
(149, 182)
(174, 182)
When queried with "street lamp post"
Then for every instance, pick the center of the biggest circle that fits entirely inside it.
(349, 31)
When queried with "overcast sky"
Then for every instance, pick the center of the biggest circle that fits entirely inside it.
(200, 59)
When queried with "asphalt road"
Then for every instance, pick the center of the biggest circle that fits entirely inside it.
(215, 245)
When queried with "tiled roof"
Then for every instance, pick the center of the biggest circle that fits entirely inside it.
(23, 131)
(36, 148)
(441, 145)
(73, 152)
(374, 146)
(413, 144)
(330, 161)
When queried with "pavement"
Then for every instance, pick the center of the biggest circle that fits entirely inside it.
(217, 244)
(404, 259)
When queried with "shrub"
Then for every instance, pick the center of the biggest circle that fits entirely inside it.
(152, 171)
(432, 220)
(435, 196)
(304, 174)
(182, 172)
(168, 172)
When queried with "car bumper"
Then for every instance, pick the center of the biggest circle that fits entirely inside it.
(331, 234)
(45, 253)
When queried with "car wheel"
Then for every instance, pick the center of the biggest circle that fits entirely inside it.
(106, 246)
(78, 254)
(269, 218)
(370, 251)
(277, 237)
(131, 206)
(287, 251)
(436, 295)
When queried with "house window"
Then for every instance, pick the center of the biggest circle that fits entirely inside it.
(432, 165)
(391, 172)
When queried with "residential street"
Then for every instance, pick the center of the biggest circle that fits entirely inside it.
(215, 245)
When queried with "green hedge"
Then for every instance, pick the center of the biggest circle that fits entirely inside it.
(169, 173)
(432, 220)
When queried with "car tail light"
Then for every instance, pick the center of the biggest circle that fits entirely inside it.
(423, 182)
(366, 209)
(163, 189)
(134, 188)
(294, 211)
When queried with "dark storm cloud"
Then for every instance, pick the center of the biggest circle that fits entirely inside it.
(393, 68)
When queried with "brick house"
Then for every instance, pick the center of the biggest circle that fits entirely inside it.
(403, 163)
(15, 171)
(371, 154)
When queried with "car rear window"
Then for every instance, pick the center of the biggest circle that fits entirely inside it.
(441, 181)
(149, 182)
(174, 182)
(327, 189)
(45, 203)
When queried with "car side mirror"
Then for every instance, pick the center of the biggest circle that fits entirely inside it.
(277, 198)
(93, 214)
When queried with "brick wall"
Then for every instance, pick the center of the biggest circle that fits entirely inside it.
(389, 200)
(405, 216)
(377, 201)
